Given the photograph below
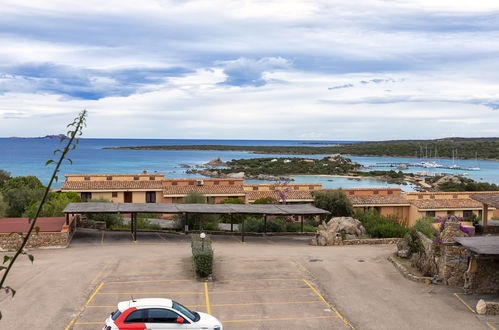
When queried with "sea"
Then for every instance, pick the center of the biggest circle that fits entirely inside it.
(27, 156)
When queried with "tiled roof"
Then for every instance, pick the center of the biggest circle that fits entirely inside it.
(378, 200)
(489, 199)
(451, 193)
(114, 174)
(205, 190)
(111, 185)
(457, 203)
(290, 195)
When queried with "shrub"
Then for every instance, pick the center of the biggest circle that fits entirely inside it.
(266, 200)
(334, 201)
(253, 225)
(378, 226)
(424, 226)
(202, 256)
(143, 223)
(111, 219)
(210, 223)
(256, 225)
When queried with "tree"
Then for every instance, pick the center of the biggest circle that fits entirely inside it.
(194, 198)
(334, 201)
(111, 219)
(19, 192)
(4, 176)
(266, 200)
(3, 206)
(55, 205)
(232, 200)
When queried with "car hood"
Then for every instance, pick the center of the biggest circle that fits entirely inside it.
(207, 320)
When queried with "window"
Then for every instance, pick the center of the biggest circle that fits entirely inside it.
(137, 316)
(255, 188)
(467, 213)
(161, 315)
(272, 188)
(191, 183)
(450, 212)
(231, 182)
(390, 192)
(311, 187)
(420, 196)
(86, 195)
(432, 197)
(430, 214)
(152, 178)
(115, 194)
(150, 197)
(376, 192)
(186, 311)
(296, 187)
(174, 183)
(115, 315)
(136, 178)
(87, 178)
(351, 193)
(109, 178)
(216, 183)
(455, 196)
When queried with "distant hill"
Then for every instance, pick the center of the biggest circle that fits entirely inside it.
(56, 136)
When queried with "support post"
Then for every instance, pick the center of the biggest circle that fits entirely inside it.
(135, 227)
(265, 224)
(485, 216)
(301, 216)
(186, 223)
(131, 224)
(231, 223)
(242, 231)
(67, 219)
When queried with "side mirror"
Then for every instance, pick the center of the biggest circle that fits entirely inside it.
(180, 320)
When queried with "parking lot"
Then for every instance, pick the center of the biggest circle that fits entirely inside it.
(264, 293)
(264, 283)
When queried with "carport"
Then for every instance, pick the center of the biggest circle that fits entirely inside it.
(185, 209)
(488, 200)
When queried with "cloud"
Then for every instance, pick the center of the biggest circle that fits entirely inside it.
(82, 83)
(341, 86)
(250, 72)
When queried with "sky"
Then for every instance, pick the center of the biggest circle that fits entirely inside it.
(223, 69)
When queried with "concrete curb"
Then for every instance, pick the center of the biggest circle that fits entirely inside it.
(408, 275)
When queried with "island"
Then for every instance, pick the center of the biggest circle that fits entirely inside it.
(462, 148)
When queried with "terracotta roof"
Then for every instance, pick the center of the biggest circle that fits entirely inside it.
(114, 174)
(489, 199)
(378, 200)
(454, 203)
(111, 185)
(205, 190)
(10, 225)
(290, 195)
(452, 193)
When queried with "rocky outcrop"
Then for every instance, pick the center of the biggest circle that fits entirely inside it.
(216, 162)
(424, 258)
(338, 229)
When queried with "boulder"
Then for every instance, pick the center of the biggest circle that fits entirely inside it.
(335, 230)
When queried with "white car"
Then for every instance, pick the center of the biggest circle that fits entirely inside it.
(158, 313)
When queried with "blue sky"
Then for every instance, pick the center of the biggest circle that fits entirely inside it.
(327, 70)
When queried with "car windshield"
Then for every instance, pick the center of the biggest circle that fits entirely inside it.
(187, 312)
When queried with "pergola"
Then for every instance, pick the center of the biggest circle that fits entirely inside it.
(486, 200)
(186, 209)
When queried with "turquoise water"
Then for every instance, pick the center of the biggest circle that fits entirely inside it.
(28, 156)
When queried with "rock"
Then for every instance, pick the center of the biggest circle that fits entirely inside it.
(216, 162)
(333, 232)
(238, 175)
(487, 307)
(404, 253)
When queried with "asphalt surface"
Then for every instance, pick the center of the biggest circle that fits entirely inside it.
(264, 283)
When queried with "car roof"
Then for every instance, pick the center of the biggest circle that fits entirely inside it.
(145, 302)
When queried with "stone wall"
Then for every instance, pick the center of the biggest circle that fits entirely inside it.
(453, 264)
(425, 258)
(482, 276)
(42, 239)
(370, 241)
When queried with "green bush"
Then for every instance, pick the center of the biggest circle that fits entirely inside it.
(202, 256)
(334, 201)
(256, 225)
(378, 226)
(143, 223)
(424, 226)
(111, 219)
(211, 223)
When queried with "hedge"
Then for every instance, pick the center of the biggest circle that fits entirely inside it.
(202, 257)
